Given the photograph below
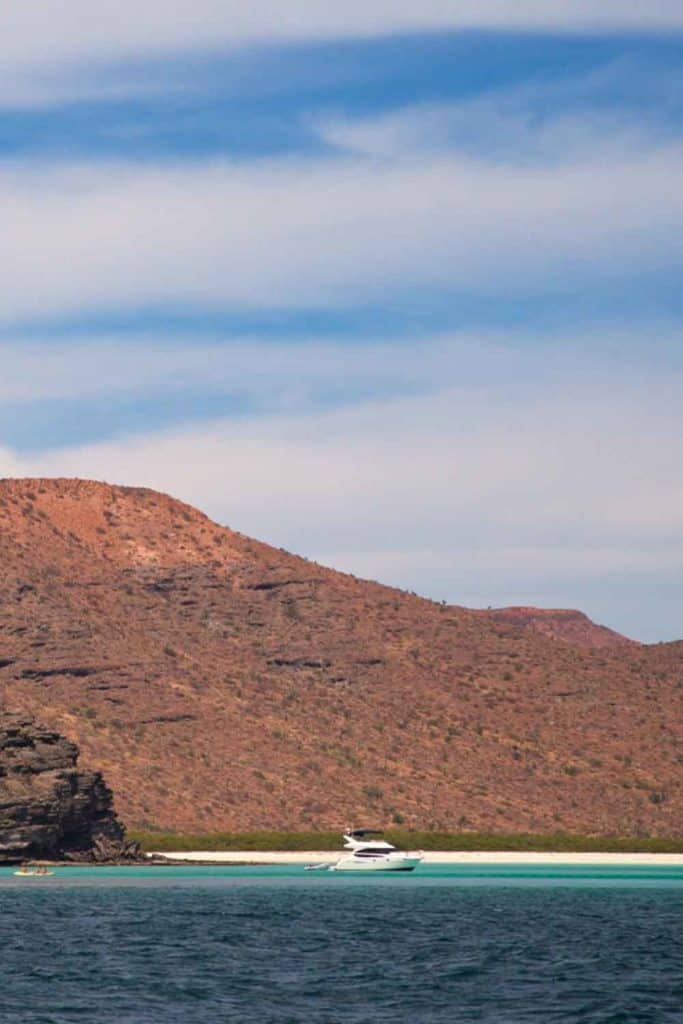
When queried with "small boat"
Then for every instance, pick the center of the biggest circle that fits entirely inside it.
(368, 854)
(25, 871)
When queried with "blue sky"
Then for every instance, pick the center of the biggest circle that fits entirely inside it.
(397, 289)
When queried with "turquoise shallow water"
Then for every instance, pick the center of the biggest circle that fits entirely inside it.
(277, 945)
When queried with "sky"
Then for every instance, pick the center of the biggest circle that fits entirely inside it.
(394, 286)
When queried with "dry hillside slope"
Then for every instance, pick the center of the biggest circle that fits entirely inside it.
(222, 684)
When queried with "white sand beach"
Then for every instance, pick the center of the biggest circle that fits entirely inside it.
(434, 857)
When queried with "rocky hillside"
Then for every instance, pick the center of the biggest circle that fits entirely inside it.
(561, 624)
(48, 808)
(222, 684)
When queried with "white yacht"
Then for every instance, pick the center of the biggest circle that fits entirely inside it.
(368, 854)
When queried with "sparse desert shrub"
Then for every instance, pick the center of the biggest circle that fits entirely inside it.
(373, 792)
(559, 842)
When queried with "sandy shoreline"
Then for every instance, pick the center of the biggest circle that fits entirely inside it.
(435, 857)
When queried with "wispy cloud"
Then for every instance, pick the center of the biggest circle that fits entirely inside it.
(69, 50)
(623, 108)
(326, 231)
(81, 31)
(281, 373)
(295, 372)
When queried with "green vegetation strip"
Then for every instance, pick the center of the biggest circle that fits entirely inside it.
(558, 842)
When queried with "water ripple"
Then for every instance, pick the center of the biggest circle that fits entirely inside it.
(277, 953)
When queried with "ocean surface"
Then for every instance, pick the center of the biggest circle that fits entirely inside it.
(280, 945)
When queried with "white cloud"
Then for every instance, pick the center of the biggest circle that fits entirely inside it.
(46, 32)
(294, 374)
(506, 126)
(326, 231)
(48, 45)
(150, 364)
(285, 370)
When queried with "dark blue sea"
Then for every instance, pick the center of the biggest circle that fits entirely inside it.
(282, 946)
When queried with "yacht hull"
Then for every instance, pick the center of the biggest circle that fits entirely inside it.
(352, 863)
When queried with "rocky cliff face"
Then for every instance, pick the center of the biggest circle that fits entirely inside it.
(48, 808)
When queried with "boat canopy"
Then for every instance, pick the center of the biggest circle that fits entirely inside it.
(360, 833)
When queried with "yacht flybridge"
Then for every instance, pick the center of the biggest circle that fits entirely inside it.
(368, 854)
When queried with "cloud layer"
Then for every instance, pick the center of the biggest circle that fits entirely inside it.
(55, 51)
(45, 33)
(326, 232)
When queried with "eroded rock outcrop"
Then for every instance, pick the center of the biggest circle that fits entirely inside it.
(49, 809)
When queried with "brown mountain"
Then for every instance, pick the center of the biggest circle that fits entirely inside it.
(222, 684)
(561, 624)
